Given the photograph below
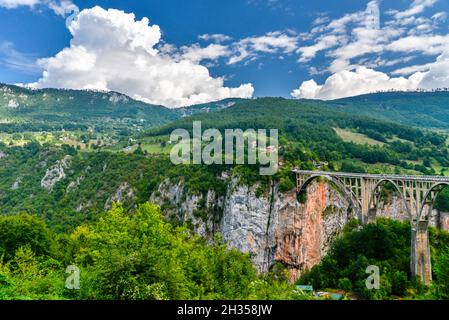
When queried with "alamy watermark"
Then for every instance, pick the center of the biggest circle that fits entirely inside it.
(236, 147)
(73, 280)
(373, 281)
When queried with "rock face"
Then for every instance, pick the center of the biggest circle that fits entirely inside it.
(245, 223)
(124, 192)
(56, 173)
(273, 227)
(277, 228)
(198, 211)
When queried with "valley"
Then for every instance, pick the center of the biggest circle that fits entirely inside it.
(86, 164)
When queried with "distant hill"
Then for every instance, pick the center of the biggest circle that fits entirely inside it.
(303, 117)
(421, 109)
(22, 109)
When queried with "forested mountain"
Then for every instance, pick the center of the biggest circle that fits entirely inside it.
(316, 128)
(422, 109)
(22, 109)
(66, 184)
(52, 109)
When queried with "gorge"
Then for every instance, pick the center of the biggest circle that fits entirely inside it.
(274, 227)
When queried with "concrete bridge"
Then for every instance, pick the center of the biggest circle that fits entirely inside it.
(363, 193)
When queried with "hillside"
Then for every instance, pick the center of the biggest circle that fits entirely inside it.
(307, 127)
(22, 109)
(421, 109)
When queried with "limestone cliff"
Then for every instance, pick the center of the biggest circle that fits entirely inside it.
(273, 227)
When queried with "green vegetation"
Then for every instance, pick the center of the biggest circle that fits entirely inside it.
(351, 136)
(385, 244)
(421, 109)
(128, 257)
(101, 163)
(66, 156)
(24, 110)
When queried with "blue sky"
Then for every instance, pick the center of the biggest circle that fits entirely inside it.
(202, 50)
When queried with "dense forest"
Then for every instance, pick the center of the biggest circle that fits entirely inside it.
(127, 257)
(385, 244)
(421, 109)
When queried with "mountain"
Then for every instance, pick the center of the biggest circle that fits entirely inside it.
(22, 109)
(420, 109)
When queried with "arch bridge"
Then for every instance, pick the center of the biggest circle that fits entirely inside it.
(363, 192)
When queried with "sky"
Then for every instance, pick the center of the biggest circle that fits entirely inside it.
(177, 53)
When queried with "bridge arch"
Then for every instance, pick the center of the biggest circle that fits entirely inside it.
(429, 199)
(349, 195)
(373, 201)
(417, 192)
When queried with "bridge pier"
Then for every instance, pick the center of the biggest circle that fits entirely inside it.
(421, 265)
(371, 216)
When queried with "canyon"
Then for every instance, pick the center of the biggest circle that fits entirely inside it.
(273, 227)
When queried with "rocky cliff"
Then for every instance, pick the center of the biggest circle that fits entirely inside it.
(273, 227)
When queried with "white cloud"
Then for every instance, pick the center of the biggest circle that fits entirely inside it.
(351, 36)
(217, 38)
(320, 20)
(13, 59)
(196, 54)
(411, 69)
(12, 4)
(323, 43)
(351, 83)
(416, 7)
(110, 50)
(440, 16)
(438, 74)
(363, 80)
(270, 43)
(429, 45)
(60, 7)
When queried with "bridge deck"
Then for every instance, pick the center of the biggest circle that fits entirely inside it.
(417, 178)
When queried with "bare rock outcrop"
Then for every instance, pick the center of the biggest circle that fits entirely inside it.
(56, 173)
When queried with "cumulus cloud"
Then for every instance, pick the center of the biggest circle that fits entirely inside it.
(351, 83)
(438, 74)
(363, 80)
(60, 7)
(110, 50)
